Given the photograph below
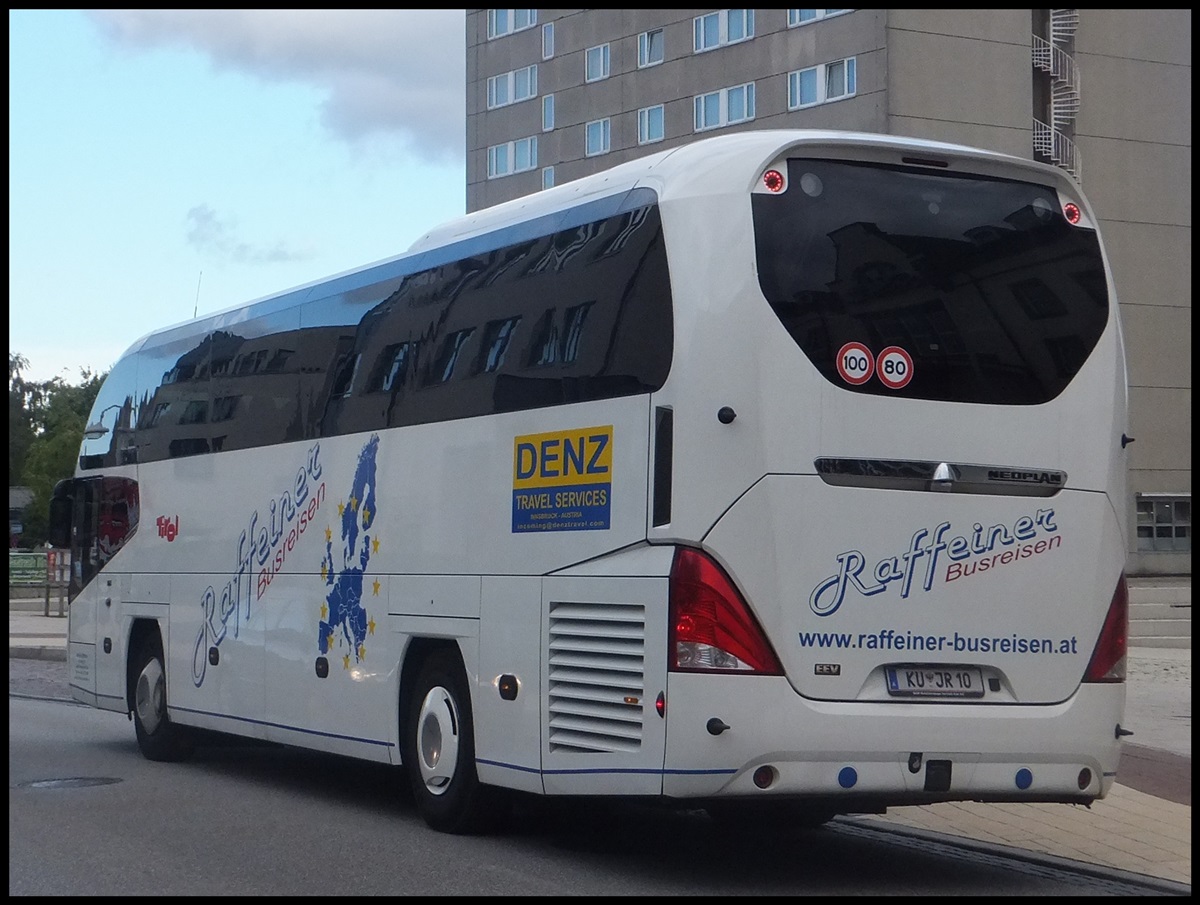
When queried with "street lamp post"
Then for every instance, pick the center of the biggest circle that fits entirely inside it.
(96, 429)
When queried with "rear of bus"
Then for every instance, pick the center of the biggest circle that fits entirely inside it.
(899, 438)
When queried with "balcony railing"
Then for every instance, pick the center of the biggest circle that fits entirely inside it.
(1049, 139)
(1063, 24)
(1053, 144)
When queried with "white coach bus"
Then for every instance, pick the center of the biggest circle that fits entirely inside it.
(781, 472)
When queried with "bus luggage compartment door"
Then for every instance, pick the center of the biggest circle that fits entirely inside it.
(604, 670)
(81, 647)
(111, 637)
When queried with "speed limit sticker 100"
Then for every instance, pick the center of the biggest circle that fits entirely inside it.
(855, 363)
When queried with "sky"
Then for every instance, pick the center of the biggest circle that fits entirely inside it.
(165, 164)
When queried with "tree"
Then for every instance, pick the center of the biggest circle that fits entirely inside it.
(51, 458)
(24, 399)
(46, 422)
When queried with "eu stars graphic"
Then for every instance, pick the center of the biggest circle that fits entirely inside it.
(344, 620)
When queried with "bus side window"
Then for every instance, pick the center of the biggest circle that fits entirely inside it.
(118, 516)
(104, 516)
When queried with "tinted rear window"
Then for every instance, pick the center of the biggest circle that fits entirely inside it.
(992, 294)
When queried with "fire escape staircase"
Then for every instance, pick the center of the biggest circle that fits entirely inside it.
(1050, 139)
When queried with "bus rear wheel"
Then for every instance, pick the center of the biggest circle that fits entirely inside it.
(439, 752)
(158, 738)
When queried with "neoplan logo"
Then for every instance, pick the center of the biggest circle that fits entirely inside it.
(1026, 477)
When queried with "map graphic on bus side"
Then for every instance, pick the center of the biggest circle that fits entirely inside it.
(346, 613)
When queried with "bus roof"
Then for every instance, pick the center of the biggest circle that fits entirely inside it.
(673, 171)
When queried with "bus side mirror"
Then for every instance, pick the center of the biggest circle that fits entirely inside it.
(61, 504)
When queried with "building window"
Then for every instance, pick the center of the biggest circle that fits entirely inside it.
(1038, 300)
(547, 40)
(279, 360)
(1164, 523)
(391, 367)
(596, 63)
(573, 330)
(821, 84)
(839, 79)
(224, 407)
(496, 339)
(804, 16)
(442, 368)
(548, 177)
(726, 26)
(725, 107)
(650, 124)
(195, 413)
(499, 160)
(512, 87)
(161, 409)
(598, 137)
(650, 48)
(343, 378)
(544, 350)
(512, 157)
(547, 112)
(501, 22)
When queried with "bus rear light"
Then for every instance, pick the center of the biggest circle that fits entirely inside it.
(1108, 657)
(773, 180)
(712, 628)
(1072, 212)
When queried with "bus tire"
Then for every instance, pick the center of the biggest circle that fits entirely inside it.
(439, 752)
(158, 738)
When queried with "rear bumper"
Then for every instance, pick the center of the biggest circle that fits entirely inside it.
(862, 754)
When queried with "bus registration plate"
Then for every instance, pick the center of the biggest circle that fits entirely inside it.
(934, 681)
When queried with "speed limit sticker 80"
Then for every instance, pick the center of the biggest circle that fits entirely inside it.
(856, 365)
(895, 367)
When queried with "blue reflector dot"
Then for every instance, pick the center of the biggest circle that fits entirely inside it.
(847, 777)
(1024, 779)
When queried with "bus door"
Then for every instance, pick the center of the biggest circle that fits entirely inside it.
(116, 518)
(71, 527)
(604, 671)
(95, 517)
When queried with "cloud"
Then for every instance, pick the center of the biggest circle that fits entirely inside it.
(208, 233)
(395, 72)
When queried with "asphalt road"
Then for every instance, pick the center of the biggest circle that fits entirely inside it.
(1157, 758)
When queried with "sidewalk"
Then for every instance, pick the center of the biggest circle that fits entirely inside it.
(1128, 830)
(33, 636)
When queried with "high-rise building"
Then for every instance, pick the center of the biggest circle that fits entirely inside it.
(553, 95)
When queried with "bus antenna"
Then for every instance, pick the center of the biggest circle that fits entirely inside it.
(197, 308)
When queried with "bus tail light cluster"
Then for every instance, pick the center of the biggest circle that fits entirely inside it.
(712, 628)
(1108, 658)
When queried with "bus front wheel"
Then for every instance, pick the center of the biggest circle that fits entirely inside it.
(158, 738)
(439, 752)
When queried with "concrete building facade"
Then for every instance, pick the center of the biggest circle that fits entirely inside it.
(556, 94)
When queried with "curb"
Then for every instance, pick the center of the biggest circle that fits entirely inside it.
(1146, 882)
(18, 652)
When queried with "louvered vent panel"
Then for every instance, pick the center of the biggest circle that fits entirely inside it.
(597, 691)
